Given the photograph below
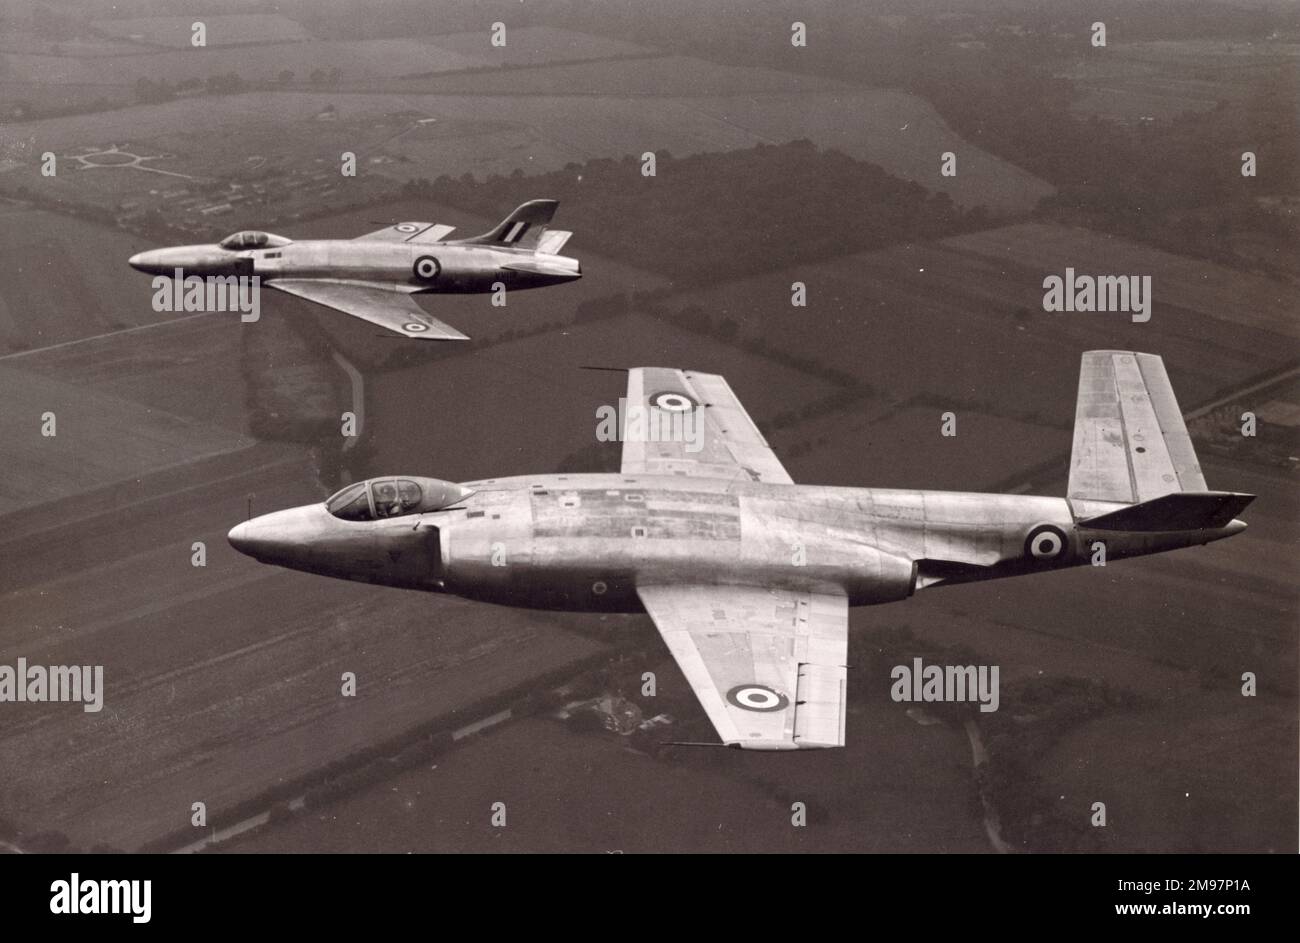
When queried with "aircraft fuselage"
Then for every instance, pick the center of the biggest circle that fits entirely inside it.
(584, 542)
(438, 267)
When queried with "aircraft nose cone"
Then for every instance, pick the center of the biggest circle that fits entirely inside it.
(284, 538)
(149, 262)
(1235, 526)
(191, 260)
(241, 538)
(263, 537)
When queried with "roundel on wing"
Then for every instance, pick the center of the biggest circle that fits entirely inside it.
(672, 401)
(757, 697)
(1045, 542)
(407, 227)
(414, 327)
(426, 268)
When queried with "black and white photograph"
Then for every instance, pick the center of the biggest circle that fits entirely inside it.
(676, 427)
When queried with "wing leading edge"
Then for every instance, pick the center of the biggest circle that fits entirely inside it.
(379, 304)
(768, 665)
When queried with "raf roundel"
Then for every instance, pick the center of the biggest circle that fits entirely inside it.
(427, 268)
(1045, 542)
(407, 227)
(415, 327)
(670, 401)
(757, 697)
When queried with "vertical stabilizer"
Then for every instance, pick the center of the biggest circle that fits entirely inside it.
(1130, 442)
(521, 229)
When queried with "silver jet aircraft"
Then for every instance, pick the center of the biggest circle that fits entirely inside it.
(748, 576)
(373, 277)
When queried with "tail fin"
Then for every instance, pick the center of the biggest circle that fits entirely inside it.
(1130, 443)
(521, 229)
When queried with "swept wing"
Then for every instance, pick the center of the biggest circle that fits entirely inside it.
(377, 303)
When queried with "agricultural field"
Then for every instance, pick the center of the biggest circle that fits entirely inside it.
(565, 398)
(1161, 80)
(236, 46)
(45, 300)
(222, 30)
(536, 45)
(448, 104)
(99, 440)
(248, 707)
(362, 60)
(918, 456)
(898, 131)
(658, 76)
(588, 791)
(17, 40)
(400, 137)
(979, 298)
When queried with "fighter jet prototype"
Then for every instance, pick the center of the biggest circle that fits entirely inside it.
(373, 277)
(748, 576)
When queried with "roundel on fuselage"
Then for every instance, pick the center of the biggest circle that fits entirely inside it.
(426, 268)
(1045, 542)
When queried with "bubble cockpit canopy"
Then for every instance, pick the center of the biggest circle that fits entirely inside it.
(378, 498)
(251, 239)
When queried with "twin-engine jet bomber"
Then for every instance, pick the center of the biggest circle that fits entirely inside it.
(373, 277)
(748, 576)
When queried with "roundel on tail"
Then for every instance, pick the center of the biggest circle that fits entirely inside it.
(1046, 542)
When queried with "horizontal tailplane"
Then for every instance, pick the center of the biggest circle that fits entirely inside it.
(552, 241)
(1181, 510)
